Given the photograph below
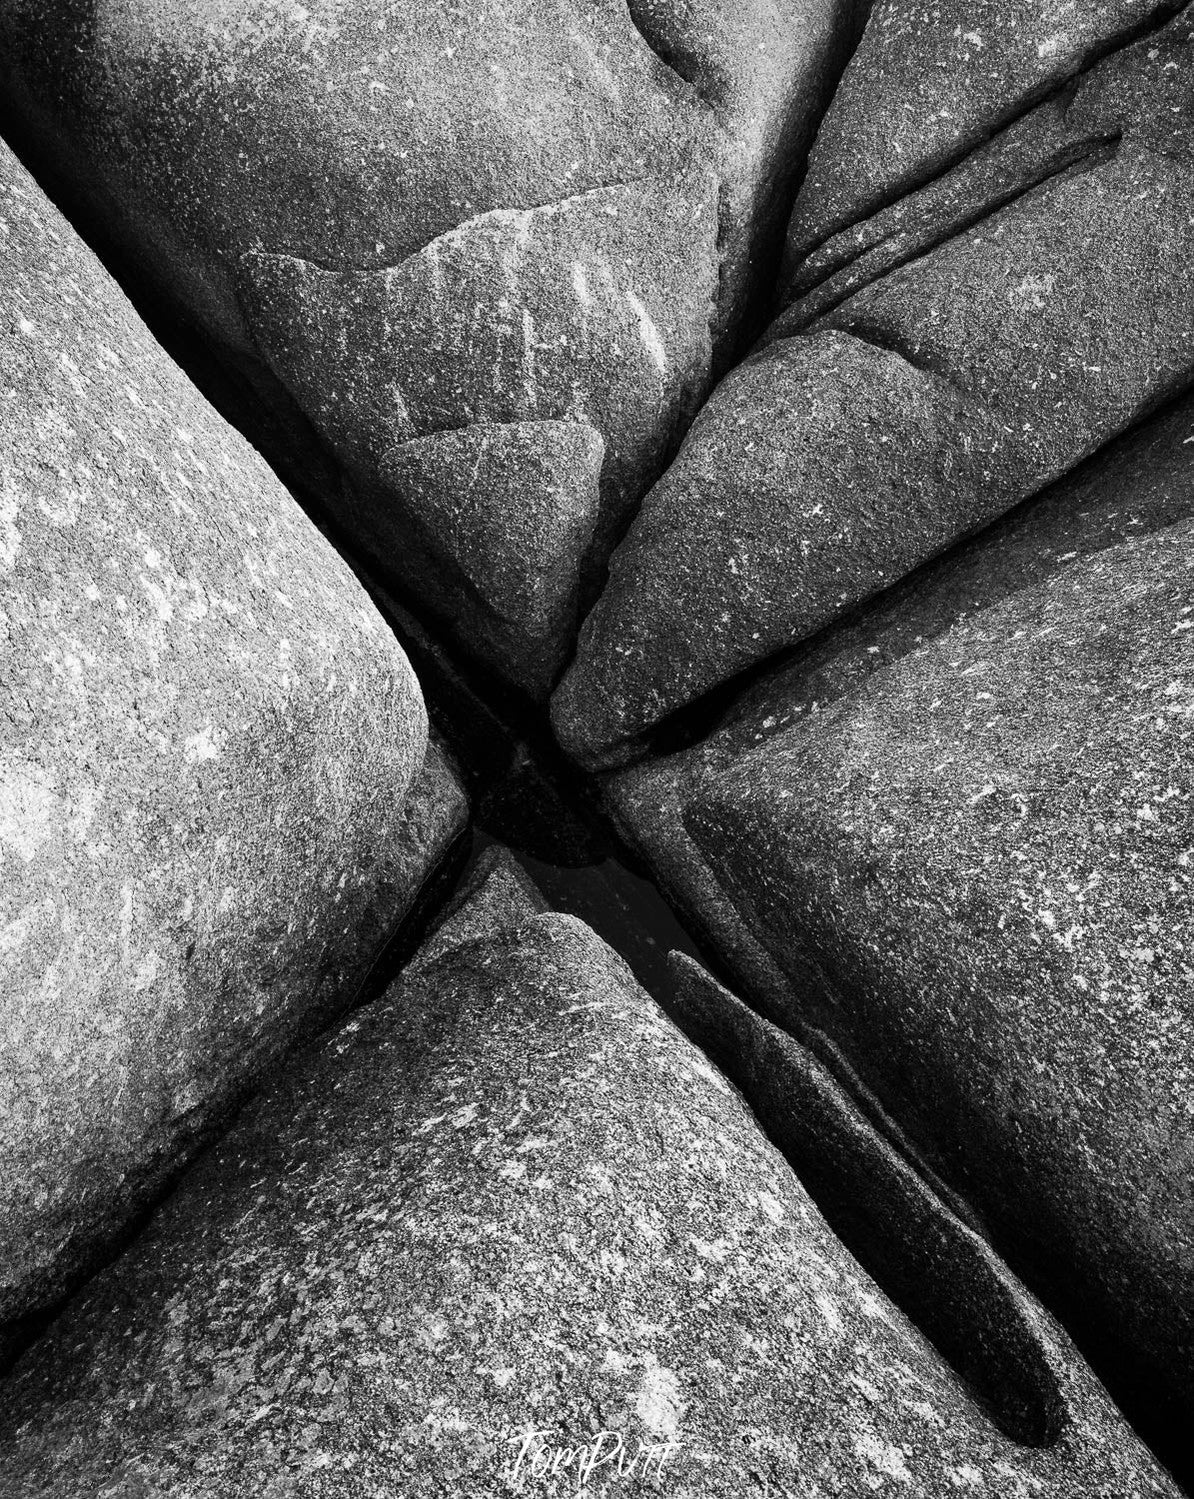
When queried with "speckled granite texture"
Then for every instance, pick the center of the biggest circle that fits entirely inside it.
(503, 238)
(1037, 306)
(511, 1199)
(885, 542)
(929, 83)
(973, 869)
(1142, 483)
(214, 807)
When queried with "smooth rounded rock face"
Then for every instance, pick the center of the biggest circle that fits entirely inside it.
(420, 218)
(208, 743)
(1007, 320)
(501, 1222)
(974, 866)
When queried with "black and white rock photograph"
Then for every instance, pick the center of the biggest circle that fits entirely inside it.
(596, 749)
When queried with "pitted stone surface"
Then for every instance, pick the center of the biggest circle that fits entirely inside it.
(208, 741)
(509, 1198)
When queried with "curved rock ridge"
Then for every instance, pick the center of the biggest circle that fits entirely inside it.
(503, 1224)
(1021, 315)
(969, 869)
(216, 794)
(418, 219)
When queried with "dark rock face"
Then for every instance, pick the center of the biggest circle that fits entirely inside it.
(508, 1200)
(1009, 320)
(972, 867)
(216, 800)
(465, 239)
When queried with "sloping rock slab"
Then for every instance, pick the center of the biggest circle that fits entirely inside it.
(926, 86)
(1144, 482)
(972, 868)
(504, 1230)
(215, 805)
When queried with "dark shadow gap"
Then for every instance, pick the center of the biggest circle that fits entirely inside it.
(939, 1272)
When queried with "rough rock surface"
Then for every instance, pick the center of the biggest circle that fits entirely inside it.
(890, 1214)
(214, 801)
(973, 868)
(425, 220)
(1141, 483)
(511, 1199)
(960, 374)
(926, 85)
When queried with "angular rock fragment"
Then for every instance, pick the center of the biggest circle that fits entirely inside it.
(217, 798)
(968, 869)
(423, 220)
(506, 1228)
(517, 503)
(938, 1268)
(1019, 314)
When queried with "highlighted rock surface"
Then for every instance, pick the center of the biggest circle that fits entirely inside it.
(217, 798)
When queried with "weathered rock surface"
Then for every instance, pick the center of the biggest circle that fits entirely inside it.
(1139, 484)
(216, 796)
(971, 866)
(509, 235)
(927, 85)
(971, 365)
(511, 1199)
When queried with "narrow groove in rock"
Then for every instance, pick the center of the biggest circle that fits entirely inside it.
(1072, 161)
(890, 341)
(1164, 12)
(939, 1270)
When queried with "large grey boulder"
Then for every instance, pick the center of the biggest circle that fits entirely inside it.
(507, 1230)
(216, 795)
(956, 847)
(1012, 317)
(488, 251)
